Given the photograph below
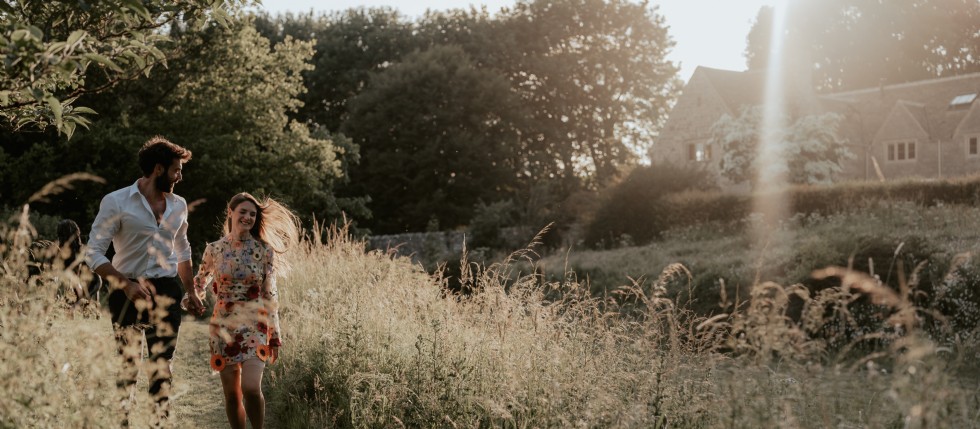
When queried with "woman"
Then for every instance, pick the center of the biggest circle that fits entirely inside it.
(244, 331)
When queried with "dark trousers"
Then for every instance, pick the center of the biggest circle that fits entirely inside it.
(159, 323)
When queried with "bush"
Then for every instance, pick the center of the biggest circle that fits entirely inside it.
(488, 222)
(635, 210)
(648, 203)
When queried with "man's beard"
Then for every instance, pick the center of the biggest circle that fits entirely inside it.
(163, 184)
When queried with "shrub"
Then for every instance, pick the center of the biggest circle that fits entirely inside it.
(488, 222)
(643, 209)
(636, 208)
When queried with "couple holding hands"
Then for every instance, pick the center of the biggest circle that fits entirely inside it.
(151, 280)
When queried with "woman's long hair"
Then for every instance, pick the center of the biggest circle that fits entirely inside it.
(275, 225)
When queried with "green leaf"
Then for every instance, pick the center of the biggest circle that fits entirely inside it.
(102, 59)
(75, 37)
(56, 108)
(85, 110)
(36, 32)
(138, 7)
(19, 34)
(37, 94)
(157, 53)
(68, 129)
(56, 46)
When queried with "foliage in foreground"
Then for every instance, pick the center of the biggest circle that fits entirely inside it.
(50, 49)
(375, 343)
(52, 374)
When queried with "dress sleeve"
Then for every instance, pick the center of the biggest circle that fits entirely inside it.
(271, 295)
(205, 272)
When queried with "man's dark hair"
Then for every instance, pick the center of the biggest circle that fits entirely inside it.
(158, 150)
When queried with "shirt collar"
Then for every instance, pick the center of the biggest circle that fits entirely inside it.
(135, 190)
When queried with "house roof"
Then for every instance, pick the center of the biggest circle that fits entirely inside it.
(748, 88)
(927, 100)
(736, 88)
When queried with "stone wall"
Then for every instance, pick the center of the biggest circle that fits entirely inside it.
(420, 246)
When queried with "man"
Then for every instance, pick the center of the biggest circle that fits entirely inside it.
(147, 226)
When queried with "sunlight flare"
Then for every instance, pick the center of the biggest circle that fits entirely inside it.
(772, 172)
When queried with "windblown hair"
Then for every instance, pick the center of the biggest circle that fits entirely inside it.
(275, 225)
(159, 150)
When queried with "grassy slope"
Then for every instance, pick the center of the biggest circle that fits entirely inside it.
(376, 346)
(720, 253)
(372, 343)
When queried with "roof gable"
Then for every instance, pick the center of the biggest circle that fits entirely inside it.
(970, 123)
(736, 89)
(905, 121)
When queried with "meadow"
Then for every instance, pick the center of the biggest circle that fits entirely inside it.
(631, 337)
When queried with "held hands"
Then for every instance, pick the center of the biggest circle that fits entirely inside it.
(194, 302)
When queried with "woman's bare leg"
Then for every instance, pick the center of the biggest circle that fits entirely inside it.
(252, 391)
(231, 379)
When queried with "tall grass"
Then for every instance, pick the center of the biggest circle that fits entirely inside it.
(373, 342)
(54, 372)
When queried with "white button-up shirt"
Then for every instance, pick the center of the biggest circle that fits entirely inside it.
(143, 247)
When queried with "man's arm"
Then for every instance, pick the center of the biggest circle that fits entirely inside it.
(182, 249)
(186, 272)
(105, 226)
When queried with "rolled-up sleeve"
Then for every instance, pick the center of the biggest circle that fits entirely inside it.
(182, 246)
(103, 229)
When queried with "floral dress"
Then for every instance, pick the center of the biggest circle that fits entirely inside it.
(245, 322)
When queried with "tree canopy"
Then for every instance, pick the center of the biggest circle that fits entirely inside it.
(225, 95)
(52, 50)
(435, 158)
(573, 92)
(852, 44)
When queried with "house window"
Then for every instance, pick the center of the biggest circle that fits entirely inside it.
(901, 151)
(971, 146)
(699, 152)
(962, 101)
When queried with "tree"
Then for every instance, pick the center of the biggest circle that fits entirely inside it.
(596, 81)
(590, 79)
(810, 149)
(852, 44)
(349, 46)
(433, 130)
(52, 50)
(225, 96)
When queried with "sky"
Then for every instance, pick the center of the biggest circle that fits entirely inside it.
(710, 33)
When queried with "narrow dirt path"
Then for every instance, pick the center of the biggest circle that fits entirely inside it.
(197, 393)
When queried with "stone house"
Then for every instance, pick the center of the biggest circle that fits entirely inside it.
(924, 129)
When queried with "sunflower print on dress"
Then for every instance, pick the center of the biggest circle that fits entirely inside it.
(245, 322)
